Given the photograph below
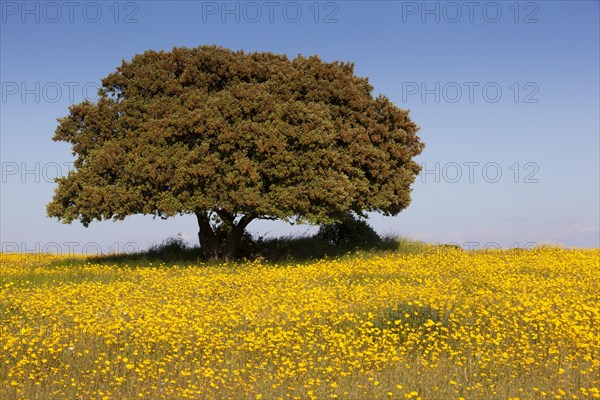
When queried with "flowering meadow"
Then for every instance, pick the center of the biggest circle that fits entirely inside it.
(446, 324)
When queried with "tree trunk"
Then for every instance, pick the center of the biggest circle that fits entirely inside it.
(235, 235)
(232, 242)
(214, 247)
(208, 241)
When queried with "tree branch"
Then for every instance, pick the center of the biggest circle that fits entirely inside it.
(246, 219)
(225, 216)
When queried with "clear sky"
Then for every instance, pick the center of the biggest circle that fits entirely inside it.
(506, 94)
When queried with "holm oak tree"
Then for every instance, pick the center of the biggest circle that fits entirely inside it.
(232, 136)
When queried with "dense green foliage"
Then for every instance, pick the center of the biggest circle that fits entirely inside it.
(231, 137)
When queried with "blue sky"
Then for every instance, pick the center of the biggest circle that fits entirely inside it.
(506, 94)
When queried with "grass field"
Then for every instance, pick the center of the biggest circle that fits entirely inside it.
(445, 324)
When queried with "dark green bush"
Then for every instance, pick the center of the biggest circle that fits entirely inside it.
(350, 232)
(170, 246)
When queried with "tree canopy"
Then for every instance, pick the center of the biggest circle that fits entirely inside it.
(232, 136)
